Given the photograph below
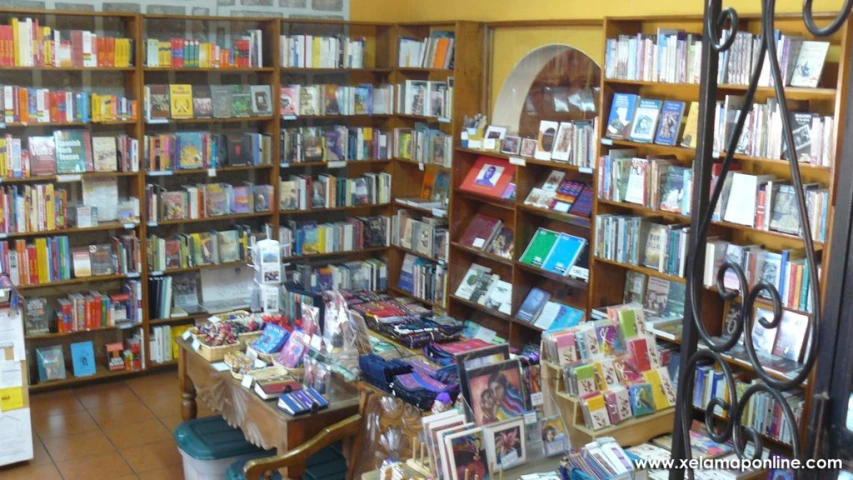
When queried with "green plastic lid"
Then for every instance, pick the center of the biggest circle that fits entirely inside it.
(212, 439)
(235, 471)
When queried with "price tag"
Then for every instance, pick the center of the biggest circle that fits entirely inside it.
(285, 165)
(187, 334)
(443, 119)
(211, 172)
(537, 399)
(156, 273)
(518, 161)
(586, 170)
(336, 164)
(421, 166)
(530, 417)
(157, 121)
(437, 212)
(162, 173)
(247, 381)
(196, 344)
(133, 275)
(124, 326)
(68, 178)
(288, 117)
(4, 235)
(128, 226)
(478, 243)
(152, 224)
(606, 141)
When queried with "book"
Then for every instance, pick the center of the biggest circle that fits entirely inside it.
(289, 100)
(499, 297)
(791, 335)
(181, 101)
(655, 246)
(241, 101)
(545, 140)
(104, 154)
(38, 315)
(645, 121)
(470, 280)
(261, 100)
(809, 66)
(481, 231)
(190, 153)
(691, 127)
(564, 254)
(562, 150)
(202, 102)
(502, 244)
(158, 102)
(764, 339)
(635, 287)
(42, 155)
(222, 104)
(81, 262)
(621, 114)
(83, 359)
(488, 176)
(742, 200)
(784, 215)
(73, 151)
(669, 125)
(532, 305)
(540, 247)
(102, 259)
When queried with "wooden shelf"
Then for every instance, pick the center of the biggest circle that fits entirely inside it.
(435, 166)
(214, 266)
(442, 71)
(791, 93)
(219, 218)
(481, 308)
(211, 69)
(78, 281)
(294, 118)
(552, 276)
(165, 321)
(416, 253)
(638, 268)
(495, 202)
(339, 71)
(423, 210)
(163, 366)
(528, 160)
(419, 118)
(397, 291)
(211, 120)
(332, 254)
(333, 209)
(576, 220)
(66, 231)
(105, 123)
(73, 69)
(68, 177)
(207, 171)
(47, 336)
(482, 253)
(346, 163)
(101, 374)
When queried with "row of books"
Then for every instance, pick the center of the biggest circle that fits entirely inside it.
(203, 150)
(335, 143)
(83, 311)
(489, 234)
(332, 99)
(540, 311)
(786, 270)
(187, 250)
(43, 105)
(426, 98)
(599, 460)
(435, 51)
(206, 201)
(638, 241)
(562, 195)
(552, 251)
(435, 188)
(428, 236)
(481, 286)
(762, 134)
(655, 182)
(370, 274)
(37, 208)
(24, 43)
(315, 51)
(124, 255)
(675, 56)
(161, 342)
(762, 412)
(353, 234)
(423, 145)
(67, 152)
(661, 299)
(246, 51)
(424, 279)
(564, 142)
(183, 101)
(646, 120)
(301, 192)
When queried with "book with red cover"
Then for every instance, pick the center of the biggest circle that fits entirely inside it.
(274, 388)
(42, 156)
(480, 231)
(489, 176)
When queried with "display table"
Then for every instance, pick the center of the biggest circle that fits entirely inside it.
(261, 421)
(542, 466)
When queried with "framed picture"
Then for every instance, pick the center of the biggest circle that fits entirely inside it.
(431, 432)
(505, 445)
(511, 145)
(475, 359)
(496, 392)
(493, 137)
(444, 453)
(528, 147)
(466, 455)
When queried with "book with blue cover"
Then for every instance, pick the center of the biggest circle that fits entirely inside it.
(564, 254)
(540, 247)
(190, 153)
(533, 305)
(669, 125)
(567, 317)
(83, 359)
(645, 121)
(621, 114)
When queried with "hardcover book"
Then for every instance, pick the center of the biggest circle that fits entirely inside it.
(261, 100)
(810, 63)
(158, 99)
(83, 359)
(42, 156)
(289, 100)
(532, 305)
(241, 101)
(669, 125)
(489, 176)
(73, 153)
(190, 154)
(102, 260)
(480, 231)
(502, 244)
(104, 153)
(621, 115)
(222, 104)
(645, 121)
(791, 335)
(202, 102)
(470, 280)
(181, 100)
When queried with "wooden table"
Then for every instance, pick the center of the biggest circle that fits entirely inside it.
(263, 423)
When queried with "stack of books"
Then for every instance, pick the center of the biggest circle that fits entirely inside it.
(356, 233)
(317, 51)
(540, 311)
(371, 275)
(641, 241)
(336, 143)
(82, 311)
(206, 201)
(183, 101)
(335, 100)
(245, 52)
(562, 142)
(423, 279)
(203, 150)
(435, 51)
(30, 45)
(302, 192)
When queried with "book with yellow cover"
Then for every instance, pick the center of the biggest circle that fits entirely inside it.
(691, 128)
(181, 100)
(658, 396)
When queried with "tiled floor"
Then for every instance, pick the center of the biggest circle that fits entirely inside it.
(120, 430)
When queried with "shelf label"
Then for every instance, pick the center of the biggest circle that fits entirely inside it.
(509, 459)
(157, 121)
(128, 226)
(530, 417)
(537, 399)
(586, 170)
(336, 164)
(68, 178)
(196, 344)
(133, 275)
(518, 161)
(211, 172)
(4, 235)
(437, 212)
(152, 224)
(156, 273)
(160, 173)
(285, 165)
(3, 125)
(607, 141)
(288, 117)
(443, 119)
(421, 166)
(124, 326)
(187, 334)
(246, 382)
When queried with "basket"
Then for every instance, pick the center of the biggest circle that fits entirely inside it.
(247, 338)
(215, 354)
(298, 373)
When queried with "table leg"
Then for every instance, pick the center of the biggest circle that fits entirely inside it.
(189, 407)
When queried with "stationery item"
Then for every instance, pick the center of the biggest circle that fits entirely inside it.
(83, 359)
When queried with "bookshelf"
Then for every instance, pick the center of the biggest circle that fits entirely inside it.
(607, 277)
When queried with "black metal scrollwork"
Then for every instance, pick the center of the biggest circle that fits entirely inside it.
(734, 408)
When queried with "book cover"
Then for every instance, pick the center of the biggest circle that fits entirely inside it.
(582, 206)
(500, 297)
(261, 100)
(801, 124)
(83, 359)
(309, 100)
(791, 335)
(105, 154)
(158, 100)
(545, 140)
(562, 150)
(784, 214)
(532, 305)
(635, 287)
(241, 101)
(190, 156)
(764, 339)
(73, 152)
(174, 205)
(655, 244)
(102, 259)
(181, 100)
(669, 125)
(489, 176)
(470, 280)
(480, 231)
(564, 254)
(81, 262)
(241, 199)
(657, 294)
(502, 244)
(645, 121)
(217, 200)
(42, 156)
(289, 100)
(289, 195)
(621, 114)
(691, 127)
(38, 314)
(809, 64)
(672, 189)
(222, 104)
(202, 102)
(330, 100)
(539, 248)
(229, 246)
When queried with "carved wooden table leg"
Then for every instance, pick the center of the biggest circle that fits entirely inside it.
(189, 407)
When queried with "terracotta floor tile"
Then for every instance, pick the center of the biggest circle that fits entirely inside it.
(175, 472)
(124, 436)
(40, 456)
(114, 394)
(154, 456)
(48, 404)
(172, 421)
(164, 405)
(73, 423)
(30, 472)
(121, 413)
(109, 465)
(149, 386)
(78, 446)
